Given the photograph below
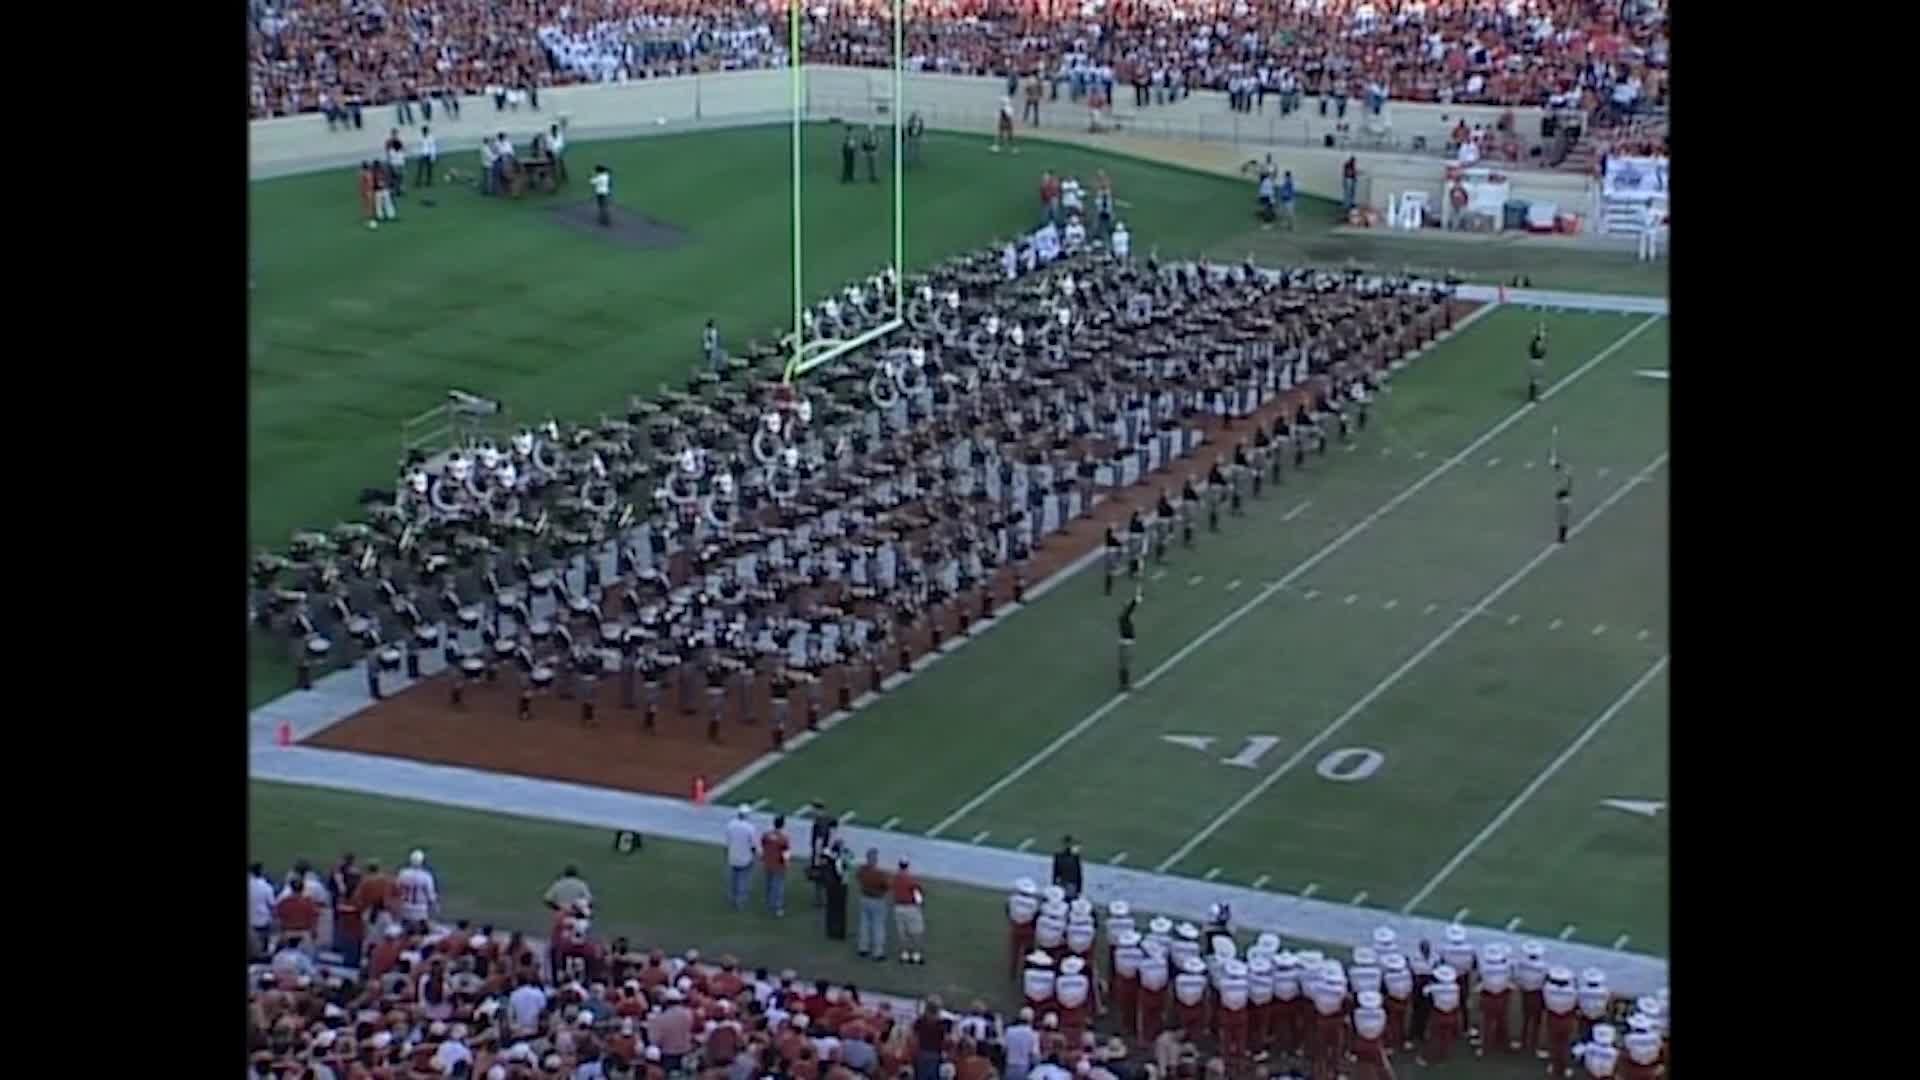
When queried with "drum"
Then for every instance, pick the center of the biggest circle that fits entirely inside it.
(469, 616)
(318, 646)
(503, 648)
(389, 658)
(427, 637)
(542, 677)
(472, 666)
(540, 629)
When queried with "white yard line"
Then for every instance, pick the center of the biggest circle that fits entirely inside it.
(1621, 942)
(1536, 784)
(1312, 887)
(1359, 898)
(1024, 844)
(1566, 932)
(1393, 677)
(1046, 753)
(981, 835)
(890, 823)
(1260, 881)
(1513, 924)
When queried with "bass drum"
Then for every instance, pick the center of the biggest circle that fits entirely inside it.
(783, 484)
(883, 388)
(682, 489)
(767, 445)
(981, 346)
(446, 496)
(722, 514)
(920, 316)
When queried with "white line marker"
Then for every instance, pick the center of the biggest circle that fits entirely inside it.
(1389, 605)
(1419, 455)
(1393, 677)
(890, 823)
(1528, 465)
(1351, 447)
(1195, 580)
(1430, 609)
(1296, 511)
(1260, 881)
(1604, 472)
(756, 804)
(1599, 629)
(1386, 451)
(1555, 624)
(981, 835)
(1024, 844)
(1118, 858)
(1359, 898)
(1308, 595)
(1158, 574)
(1620, 942)
(846, 817)
(1513, 924)
(1537, 782)
(1211, 874)
(1491, 462)
(1014, 775)
(1232, 585)
(1641, 636)
(1566, 932)
(1351, 598)
(1312, 887)
(1461, 915)
(1513, 620)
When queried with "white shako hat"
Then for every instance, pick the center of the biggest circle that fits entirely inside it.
(1236, 969)
(1650, 1007)
(1604, 1034)
(1260, 964)
(1495, 952)
(1081, 908)
(1072, 965)
(1365, 957)
(1052, 893)
(1193, 965)
(1640, 1022)
(1456, 934)
(1188, 931)
(1224, 948)
(1310, 959)
(1127, 938)
(1370, 999)
(1286, 961)
(1161, 925)
(1056, 909)
(1533, 950)
(1593, 978)
(1154, 947)
(1118, 910)
(1036, 958)
(1393, 961)
(1384, 938)
(1268, 942)
(1025, 887)
(1445, 974)
(1560, 974)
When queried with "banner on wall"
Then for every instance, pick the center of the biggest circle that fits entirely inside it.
(1635, 178)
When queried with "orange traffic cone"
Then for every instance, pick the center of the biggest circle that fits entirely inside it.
(700, 791)
(284, 736)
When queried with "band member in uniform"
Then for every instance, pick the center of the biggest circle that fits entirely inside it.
(1233, 1019)
(1642, 1044)
(1116, 554)
(1216, 488)
(1190, 998)
(1073, 990)
(1257, 457)
(1594, 998)
(1036, 982)
(1126, 641)
(1289, 1016)
(1536, 362)
(1529, 976)
(1496, 998)
(1397, 980)
(1602, 1056)
(1372, 1061)
(1237, 479)
(1562, 498)
(1151, 1014)
(1189, 498)
(1136, 543)
(1022, 908)
(1162, 526)
(1443, 1024)
(1003, 135)
(1559, 1000)
(1127, 957)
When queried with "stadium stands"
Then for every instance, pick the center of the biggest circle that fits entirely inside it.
(1608, 59)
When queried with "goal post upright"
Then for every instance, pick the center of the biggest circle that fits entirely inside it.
(807, 355)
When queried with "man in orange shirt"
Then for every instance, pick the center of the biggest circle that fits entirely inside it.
(296, 914)
(773, 860)
(371, 897)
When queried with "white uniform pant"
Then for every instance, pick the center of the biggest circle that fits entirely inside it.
(383, 204)
(1650, 243)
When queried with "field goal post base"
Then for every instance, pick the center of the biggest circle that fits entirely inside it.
(823, 351)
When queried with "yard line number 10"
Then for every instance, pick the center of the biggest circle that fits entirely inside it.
(1341, 766)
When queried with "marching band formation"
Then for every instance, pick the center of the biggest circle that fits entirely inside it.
(1261, 1002)
(749, 530)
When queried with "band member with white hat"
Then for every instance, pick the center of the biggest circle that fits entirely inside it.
(1560, 1000)
(1420, 963)
(1397, 980)
(1036, 982)
(1642, 1046)
(1328, 993)
(1458, 953)
(1530, 976)
(1443, 1026)
(1496, 999)
(1050, 926)
(1023, 906)
(1081, 932)
(1595, 998)
(1602, 1057)
(1291, 1008)
(1232, 1018)
(1151, 1013)
(1368, 1045)
(1127, 956)
(1365, 973)
(1186, 945)
(1260, 1004)
(1159, 932)
(1119, 921)
(1190, 998)
(1073, 991)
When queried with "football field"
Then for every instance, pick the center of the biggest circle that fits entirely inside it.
(1386, 685)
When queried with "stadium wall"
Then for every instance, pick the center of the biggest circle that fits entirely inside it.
(1198, 132)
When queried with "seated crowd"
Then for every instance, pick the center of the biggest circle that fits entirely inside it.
(1108, 997)
(1606, 57)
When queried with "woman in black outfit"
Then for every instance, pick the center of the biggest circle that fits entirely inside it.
(833, 874)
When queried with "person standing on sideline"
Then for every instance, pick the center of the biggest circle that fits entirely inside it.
(847, 147)
(909, 915)
(557, 148)
(1126, 642)
(834, 868)
(567, 890)
(349, 927)
(427, 154)
(396, 161)
(1269, 196)
(1350, 183)
(1562, 499)
(1066, 867)
(1022, 1045)
(773, 862)
(603, 194)
(820, 826)
(382, 193)
(874, 887)
(710, 349)
(1651, 221)
(1536, 362)
(259, 910)
(1286, 198)
(870, 146)
(741, 847)
(419, 895)
(369, 207)
(374, 897)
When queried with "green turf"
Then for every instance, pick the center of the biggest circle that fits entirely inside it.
(1462, 733)
(352, 332)
(492, 869)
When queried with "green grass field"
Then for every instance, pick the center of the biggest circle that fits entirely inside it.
(1347, 729)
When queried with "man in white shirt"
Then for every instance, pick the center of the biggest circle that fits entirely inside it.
(426, 153)
(557, 146)
(1023, 1046)
(525, 1007)
(416, 892)
(1075, 236)
(743, 843)
(453, 1051)
(489, 165)
(603, 194)
(1122, 242)
(259, 908)
(1652, 220)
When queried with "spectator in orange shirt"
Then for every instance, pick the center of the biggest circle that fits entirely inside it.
(773, 861)
(297, 915)
(372, 896)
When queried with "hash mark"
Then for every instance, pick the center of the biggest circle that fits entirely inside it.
(1420, 455)
(890, 823)
(1352, 597)
(1195, 580)
(1566, 933)
(1513, 620)
(1296, 511)
(1555, 625)
(1158, 574)
(1600, 629)
(846, 817)
(756, 804)
(981, 835)
(1024, 844)
(1259, 881)
(1386, 451)
(1118, 858)
(1389, 605)
(1431, 608)
(1232, 585)
(1491, 462)
(1310, 594)
(1461, 915)
(1211, 874)
(1528, 465)
(1513, 924)
(1312, 887)
(1620, 942)
(1641, 636)
(1359, 898)
(1604, 472)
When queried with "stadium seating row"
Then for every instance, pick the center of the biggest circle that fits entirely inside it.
(1609, 59)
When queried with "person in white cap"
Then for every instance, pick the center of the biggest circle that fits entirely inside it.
(1073, 991)
(1036, 982)
(1022, 1045)
(1443, 1025)
(1124, 963)
(1190, 997)
(1292, 1011)
(1595, 998)
(416, 893)
(1160, 933)
(1396, 979)
(1560, 999)
(1328, 993)
(1232, 988)
(1155, 972)
(1529, 977)
(1496, 999)
(1260, 1003)
(1642, 1046)
(1373, 1060)
(743, 846)
(1602, 1056)
(1023, 906)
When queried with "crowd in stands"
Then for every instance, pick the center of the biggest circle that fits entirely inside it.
(1606, 57)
